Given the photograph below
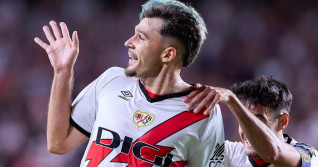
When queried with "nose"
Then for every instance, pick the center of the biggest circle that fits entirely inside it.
(129, 43)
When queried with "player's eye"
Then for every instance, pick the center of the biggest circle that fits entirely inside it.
(140, 37)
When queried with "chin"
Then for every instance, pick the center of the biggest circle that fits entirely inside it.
(249, 150)
(251, 153)
(130, 72)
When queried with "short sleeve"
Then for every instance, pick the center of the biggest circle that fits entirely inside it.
(308, 157)
(234, 154)
(84, 107)
(314, 159)
(211, 150)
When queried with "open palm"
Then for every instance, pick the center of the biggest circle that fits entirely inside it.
(62, 50)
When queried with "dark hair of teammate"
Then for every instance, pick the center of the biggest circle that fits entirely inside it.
(179, 21)
(264, 91)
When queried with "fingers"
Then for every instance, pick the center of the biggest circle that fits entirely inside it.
(207, 96)
(56, 30)
(190, 96)
(193, 93)
(40, 42)
(197, 99)
(64, 29)
(216, 99)
(202, 97)
(75, 43)
(48, 34)
(205, 102)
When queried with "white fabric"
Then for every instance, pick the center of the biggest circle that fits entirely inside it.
(234, 155)
(108, 108)
(314, 160)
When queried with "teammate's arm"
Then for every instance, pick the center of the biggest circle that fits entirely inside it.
(62, 51)
(263, 140)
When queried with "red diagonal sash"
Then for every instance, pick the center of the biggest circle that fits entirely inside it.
(157, 134)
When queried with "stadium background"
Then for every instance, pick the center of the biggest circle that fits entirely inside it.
(246, 38)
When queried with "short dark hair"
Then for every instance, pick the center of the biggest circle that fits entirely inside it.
(264, 91)
(179, 21)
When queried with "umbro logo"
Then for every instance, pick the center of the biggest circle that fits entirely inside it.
(126, 95)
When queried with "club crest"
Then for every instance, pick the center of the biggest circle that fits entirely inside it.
(304, 155)
(142, 119)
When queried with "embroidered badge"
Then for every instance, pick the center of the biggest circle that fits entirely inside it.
(304, 155)
(142, 119)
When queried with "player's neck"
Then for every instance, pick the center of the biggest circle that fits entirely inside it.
(280, 136)
(166, 82)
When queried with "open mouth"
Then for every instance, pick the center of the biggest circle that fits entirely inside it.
(132, 56)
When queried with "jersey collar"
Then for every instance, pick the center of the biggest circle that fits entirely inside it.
(258, 162)
(287, 138)
(163, 97)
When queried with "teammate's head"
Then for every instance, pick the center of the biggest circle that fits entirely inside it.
(169, 31)
(264, 91)
(269, 100)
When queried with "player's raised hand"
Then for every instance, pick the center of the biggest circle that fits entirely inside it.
(62, 50)
(208, 96)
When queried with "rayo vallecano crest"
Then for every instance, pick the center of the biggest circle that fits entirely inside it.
(142, 118)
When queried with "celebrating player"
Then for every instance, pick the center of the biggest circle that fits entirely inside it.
(129, 122)
(261, 107)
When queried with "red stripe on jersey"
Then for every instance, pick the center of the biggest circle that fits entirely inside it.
(155, 135)
(97, 153)
(171, 126)
(178, 164)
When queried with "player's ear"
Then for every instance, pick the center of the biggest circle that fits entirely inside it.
(284, 120)
(169, 54)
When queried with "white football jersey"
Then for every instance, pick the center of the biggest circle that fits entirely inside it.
(234, 155)
(126, 127)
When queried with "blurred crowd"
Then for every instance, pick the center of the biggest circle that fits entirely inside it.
(246, 38)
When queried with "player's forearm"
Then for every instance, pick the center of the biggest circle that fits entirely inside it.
(59, 111)
(263, 140)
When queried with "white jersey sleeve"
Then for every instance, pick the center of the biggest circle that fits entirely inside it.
(84, 106)
(308, 154)
(234, 155)
(211, 149)
(314, 159)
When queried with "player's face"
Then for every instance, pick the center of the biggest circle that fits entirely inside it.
(266, 117)
(145, 48)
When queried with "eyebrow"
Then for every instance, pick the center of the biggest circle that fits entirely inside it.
(259, 116)
(142, 32)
